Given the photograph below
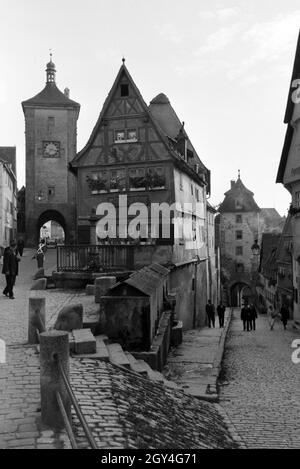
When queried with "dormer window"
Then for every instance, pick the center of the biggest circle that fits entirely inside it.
(124, 90)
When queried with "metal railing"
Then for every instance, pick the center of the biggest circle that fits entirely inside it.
(95, 258)
(77, 409)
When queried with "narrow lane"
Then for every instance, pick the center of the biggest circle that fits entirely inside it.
(260, 385)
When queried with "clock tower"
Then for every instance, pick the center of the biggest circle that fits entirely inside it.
(50, 133)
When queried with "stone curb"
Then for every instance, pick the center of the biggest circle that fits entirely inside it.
(231, 428)
(213, 395)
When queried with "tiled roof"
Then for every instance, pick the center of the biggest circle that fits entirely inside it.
(146, 279)
(50, 95)
(8, 154)
(126, 410)
(238, 192)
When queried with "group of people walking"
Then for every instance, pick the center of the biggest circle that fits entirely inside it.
(210, 311)
(248, 316)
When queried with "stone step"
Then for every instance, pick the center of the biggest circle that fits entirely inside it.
(135, 365)
(85, 342)
(101, 351)
(117, 355)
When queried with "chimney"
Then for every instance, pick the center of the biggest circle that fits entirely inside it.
(232, 183)
(67, 92)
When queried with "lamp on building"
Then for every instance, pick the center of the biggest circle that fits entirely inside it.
(40, 195)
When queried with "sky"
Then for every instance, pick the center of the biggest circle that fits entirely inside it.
(224, 65)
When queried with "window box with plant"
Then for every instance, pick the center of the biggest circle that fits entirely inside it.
(97, 184)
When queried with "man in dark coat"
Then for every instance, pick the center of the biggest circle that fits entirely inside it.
(253, 316)
(210, 311)
(284, 315)
(10, 269)
(20, 246)
(221, 313)
(244, 316)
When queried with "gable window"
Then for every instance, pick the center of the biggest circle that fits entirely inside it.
(120, 135)
(239, 250)
(125, 136)
(238, 204)
(124, 89)
(238, 219)
(238, 234)
(131, 134)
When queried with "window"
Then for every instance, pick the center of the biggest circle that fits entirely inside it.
(98, 182)
(238, 219)
(297, 199)
(239, 268)
(51, 192)
(117, 180)
(197, 195)
(192, 192)
(124, 89)
(51, 123)
(131, 134)
(238, 204)
(137, 179)
(156, 178)
(180, 182)
(239, 250)
(238, 234)
(120, 135)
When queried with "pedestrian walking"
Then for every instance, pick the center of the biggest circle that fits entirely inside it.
(10, 269)
(221, 313)
(244, 315)
(40, 254)
(249, 317)
(210, 311)
(20, 246)
(253, 316)
(274, 316)
(284, 312)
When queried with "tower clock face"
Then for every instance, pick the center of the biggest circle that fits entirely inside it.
(51, 149)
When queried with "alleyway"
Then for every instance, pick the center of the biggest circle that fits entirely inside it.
(261, 391)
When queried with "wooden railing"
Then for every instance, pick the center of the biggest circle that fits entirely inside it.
(95, 258)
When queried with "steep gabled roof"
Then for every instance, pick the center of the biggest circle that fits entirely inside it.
(123, 71)
(288, 116)
(238, 192)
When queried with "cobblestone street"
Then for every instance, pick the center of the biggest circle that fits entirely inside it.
(20, 376)
(261, 385)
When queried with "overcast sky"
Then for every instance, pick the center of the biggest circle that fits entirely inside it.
(224, 65)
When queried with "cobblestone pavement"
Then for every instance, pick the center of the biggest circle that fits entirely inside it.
(20, 425)
(260, 385)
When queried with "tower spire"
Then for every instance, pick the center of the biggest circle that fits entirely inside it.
(50, 70)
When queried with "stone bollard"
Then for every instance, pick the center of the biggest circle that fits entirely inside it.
(36, 319)
(54, 343)
(102, 284)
